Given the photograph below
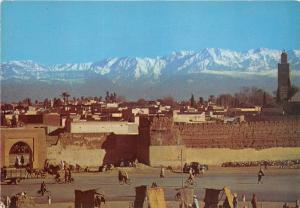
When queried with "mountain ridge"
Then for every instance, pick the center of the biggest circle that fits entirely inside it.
(208, 71)
(180, 62)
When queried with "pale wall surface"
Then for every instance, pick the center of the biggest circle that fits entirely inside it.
(166, 155)
(216, 156)
(92, 149)
(170, 155)
(73, 154)
(103, 127)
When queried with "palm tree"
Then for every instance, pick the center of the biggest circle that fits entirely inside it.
(65, 96)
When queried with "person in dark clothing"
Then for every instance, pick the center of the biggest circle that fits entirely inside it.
(260, 175)
(235, 201)
(254, 201)
(99, 199)
(17, 162)
(226, 203)
(66, 176)
(70, 179)
(43, 188)
(22, 160)
(57, 177)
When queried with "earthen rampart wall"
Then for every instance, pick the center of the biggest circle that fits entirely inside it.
(258, 135)
(92, 149)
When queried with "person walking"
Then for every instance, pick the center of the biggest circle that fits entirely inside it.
(244, 200)
(66, 176)
(190, 179)
(195, 202)
(2, 205)
(7, 201)
(254, 201)
(70, 179)
(260, 175)
(43, 188)
(62, 164)
(235, 201)
(297, 204)
(49, 199)
(162, 172)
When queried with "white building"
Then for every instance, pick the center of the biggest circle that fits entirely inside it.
(140, 111)
(188, 117)
(115, 127)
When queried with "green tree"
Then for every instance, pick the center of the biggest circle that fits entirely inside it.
(65, 96)
(264, 99)
(192, 101)
(201, 100)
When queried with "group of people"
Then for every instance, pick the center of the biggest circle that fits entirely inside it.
(68, 176)
(285, 205)
(20, 161)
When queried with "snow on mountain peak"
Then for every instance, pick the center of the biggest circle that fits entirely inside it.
(208, 59)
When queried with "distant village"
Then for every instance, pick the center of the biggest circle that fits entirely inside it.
(250, 104)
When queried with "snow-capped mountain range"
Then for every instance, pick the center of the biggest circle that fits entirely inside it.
(210, 60)
(206, 72)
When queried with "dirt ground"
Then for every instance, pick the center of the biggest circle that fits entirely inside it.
(279, 186)
(170, 204)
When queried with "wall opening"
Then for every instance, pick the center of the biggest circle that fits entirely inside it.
(20, 155)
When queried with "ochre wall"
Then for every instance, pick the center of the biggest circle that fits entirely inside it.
(216, 156)
(171, 155)
(35, 138)
(166, 155)
(217, 143)
(257, 135)
(92, 149)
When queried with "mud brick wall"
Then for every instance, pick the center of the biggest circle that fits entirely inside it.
(158, 131)
(257, 135)
(92, 149)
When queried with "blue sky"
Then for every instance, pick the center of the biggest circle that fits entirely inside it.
(68, 32)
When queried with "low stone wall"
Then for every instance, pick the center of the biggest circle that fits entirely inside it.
(216, 156)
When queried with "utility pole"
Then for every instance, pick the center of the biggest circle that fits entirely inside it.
(181, 169)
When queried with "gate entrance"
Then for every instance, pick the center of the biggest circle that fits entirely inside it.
(20, 155)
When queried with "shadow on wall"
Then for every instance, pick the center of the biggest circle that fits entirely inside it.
(109, 146)
(119, 148)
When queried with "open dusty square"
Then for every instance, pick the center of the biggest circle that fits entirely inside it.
(279, 185)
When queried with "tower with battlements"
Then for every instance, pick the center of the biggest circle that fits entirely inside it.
(284, 82)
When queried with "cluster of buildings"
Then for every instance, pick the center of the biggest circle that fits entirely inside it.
(24, 123)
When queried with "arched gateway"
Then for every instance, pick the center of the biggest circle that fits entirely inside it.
(26, 143)
(20, 155)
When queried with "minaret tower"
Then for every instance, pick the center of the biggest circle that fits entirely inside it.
(284, 82)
